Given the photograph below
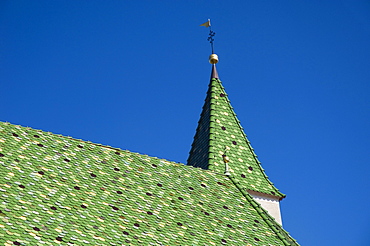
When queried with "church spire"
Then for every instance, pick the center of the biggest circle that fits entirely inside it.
(219, 135)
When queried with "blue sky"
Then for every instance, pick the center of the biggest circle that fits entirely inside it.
(134, 74)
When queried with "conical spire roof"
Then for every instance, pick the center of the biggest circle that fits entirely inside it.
(220, 134)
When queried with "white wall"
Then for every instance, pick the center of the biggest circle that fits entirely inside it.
(272, 205)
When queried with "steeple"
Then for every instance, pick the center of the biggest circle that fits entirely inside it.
(219, 137)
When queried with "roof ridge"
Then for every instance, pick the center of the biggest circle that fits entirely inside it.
(174, 163)
(87, 141)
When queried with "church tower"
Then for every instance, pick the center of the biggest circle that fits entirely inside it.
(221, 145)
(58, 190)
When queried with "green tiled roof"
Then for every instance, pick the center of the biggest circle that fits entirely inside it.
(58, 190)
(219, 133)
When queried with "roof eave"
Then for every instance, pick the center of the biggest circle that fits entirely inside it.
(257, 193)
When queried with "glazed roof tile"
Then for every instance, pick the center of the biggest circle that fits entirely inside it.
(57, 190)
(219, 133)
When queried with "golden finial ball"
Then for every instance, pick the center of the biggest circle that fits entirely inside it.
(213, 59)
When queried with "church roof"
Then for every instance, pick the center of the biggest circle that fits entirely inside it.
(57, 190)
(219, 135)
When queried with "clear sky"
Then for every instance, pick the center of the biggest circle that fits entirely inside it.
(134, 75)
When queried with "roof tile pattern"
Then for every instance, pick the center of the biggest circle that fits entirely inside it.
(219, 133)
(57, 190)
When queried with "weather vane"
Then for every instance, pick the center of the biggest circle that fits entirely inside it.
(211, 33)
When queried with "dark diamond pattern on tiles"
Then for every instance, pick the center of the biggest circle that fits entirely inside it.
(149, 201)
(219, 132)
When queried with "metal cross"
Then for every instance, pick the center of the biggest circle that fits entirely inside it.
(211, 39)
